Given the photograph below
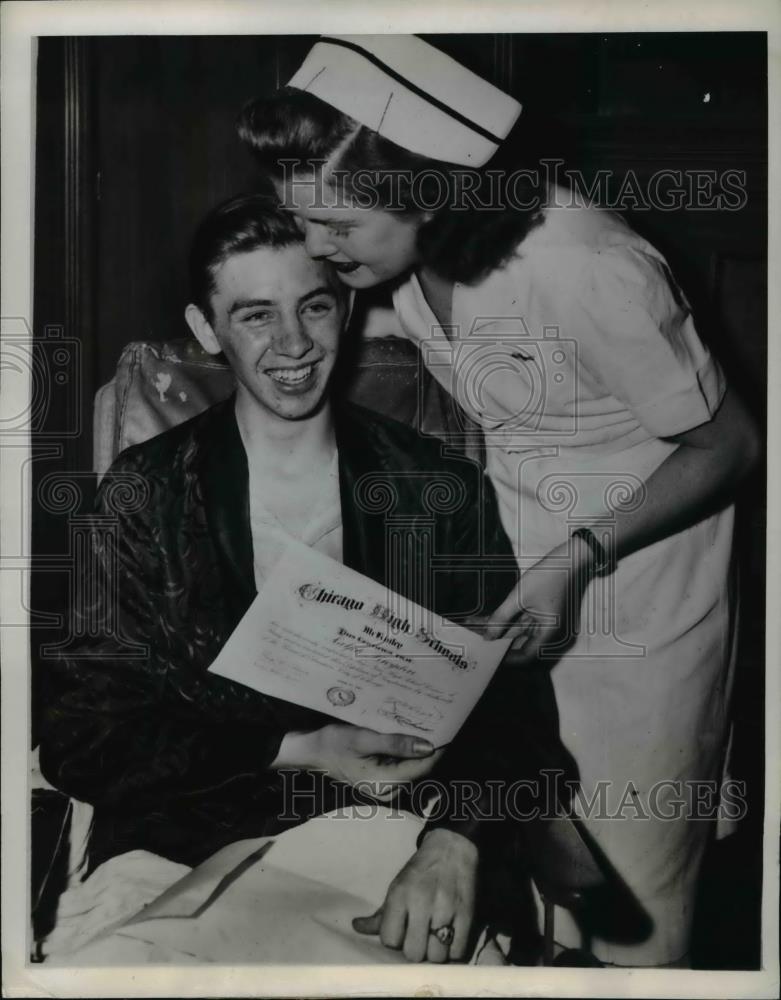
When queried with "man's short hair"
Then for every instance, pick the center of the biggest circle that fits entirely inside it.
(241, 224)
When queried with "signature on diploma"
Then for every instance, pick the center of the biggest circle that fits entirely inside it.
(408, 715)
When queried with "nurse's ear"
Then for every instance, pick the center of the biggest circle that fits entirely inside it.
(202, 329)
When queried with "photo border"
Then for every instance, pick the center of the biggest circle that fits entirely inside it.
(22, 22)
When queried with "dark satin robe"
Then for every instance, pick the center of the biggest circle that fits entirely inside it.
(175, 759)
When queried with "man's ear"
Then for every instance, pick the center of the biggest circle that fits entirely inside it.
(202, 329)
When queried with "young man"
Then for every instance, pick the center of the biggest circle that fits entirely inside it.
(180, 762)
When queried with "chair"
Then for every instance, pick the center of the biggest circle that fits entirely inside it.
(159, 385)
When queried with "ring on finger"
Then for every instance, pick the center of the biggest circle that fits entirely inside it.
(444, 934)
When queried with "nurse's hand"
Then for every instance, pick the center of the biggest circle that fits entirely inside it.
(435, 890)
(542, 613)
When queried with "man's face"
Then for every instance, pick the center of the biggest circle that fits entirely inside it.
(278, 316)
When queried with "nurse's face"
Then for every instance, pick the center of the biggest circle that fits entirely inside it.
(366, 246)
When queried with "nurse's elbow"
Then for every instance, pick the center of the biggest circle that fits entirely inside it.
(732, 437)
(747, 442)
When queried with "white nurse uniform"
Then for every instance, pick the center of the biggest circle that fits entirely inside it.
(577, 359)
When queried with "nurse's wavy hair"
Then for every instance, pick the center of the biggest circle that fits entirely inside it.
(460, 245)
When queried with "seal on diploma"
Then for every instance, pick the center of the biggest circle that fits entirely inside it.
(340, 696)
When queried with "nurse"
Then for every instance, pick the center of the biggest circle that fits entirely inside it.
(612, 438)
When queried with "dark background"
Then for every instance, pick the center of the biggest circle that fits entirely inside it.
(136, 140)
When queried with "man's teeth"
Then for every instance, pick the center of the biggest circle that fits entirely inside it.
(290, 376)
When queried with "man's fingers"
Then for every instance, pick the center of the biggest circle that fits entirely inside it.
(411, 770)
(462, 924)
(368, 925)
(435, 950)
(442, 916)
(416, 936)
(392, 744)
(384, 782)
(394, 922)
(389, 922)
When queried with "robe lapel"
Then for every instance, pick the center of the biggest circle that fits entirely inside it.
(224, 479)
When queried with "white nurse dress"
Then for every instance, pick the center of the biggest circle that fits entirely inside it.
(577, 359)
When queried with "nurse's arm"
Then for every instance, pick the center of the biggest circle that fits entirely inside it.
(695, 480)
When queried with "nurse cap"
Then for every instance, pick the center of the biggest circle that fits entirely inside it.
(411, 93)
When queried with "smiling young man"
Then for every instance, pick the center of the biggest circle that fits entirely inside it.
(180, 762)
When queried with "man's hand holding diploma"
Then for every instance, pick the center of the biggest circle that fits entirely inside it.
(379, 762)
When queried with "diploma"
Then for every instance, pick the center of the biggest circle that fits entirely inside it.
(326, 637)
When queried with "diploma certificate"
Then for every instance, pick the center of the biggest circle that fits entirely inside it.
(325, 637)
